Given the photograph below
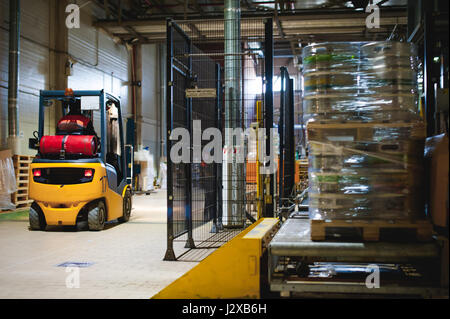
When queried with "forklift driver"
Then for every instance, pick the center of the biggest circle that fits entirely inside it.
(75, 123)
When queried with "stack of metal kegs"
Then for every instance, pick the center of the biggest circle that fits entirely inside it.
(365, 135)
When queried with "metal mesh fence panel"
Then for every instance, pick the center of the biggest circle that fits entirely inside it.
(223, 193)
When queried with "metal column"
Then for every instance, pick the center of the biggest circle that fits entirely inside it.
(289, 166)
(13, 75)
(219, 214)
(170, 254)
(233, 171)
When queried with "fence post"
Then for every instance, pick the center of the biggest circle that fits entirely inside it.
(170, 254)
(190, 241)
(217, 221)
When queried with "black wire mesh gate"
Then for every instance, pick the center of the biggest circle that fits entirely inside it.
(287, 140)
(196, 60)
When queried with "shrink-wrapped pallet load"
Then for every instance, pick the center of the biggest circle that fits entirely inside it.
(365, 136)
(366, 82)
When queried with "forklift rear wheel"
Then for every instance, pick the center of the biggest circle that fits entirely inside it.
(126, 207)
(36, 217)
(97, 217)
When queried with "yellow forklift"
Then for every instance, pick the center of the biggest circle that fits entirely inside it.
(79, 175)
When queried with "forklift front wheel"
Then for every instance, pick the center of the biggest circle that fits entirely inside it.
(97, 217)
(36, 217)
(126, 207)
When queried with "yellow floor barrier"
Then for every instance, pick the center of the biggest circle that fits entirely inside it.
(232, 271)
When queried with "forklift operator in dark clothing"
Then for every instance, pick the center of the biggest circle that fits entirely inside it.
(75, 123)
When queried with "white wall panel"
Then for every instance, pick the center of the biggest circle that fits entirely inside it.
(99, 62)
(4, 38)
(152, 67)
(33, 71)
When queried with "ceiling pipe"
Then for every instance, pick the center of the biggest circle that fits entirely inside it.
(209, 4)
(13, 72)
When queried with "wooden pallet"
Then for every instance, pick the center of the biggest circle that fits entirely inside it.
(303, 169)
(251, 202)
(21, 169)
(250, 187)
(301, 174)
(371, 228)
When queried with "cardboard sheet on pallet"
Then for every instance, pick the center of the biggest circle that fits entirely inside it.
(5, 154)
(438, 166)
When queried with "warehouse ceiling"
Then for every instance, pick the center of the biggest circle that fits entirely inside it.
(296, 23)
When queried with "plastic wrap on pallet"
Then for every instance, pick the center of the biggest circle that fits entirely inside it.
(343, 56)
(365, 137)
(360, 81)
(163, 175)
(148, 172)
(366, 170)
(8, 183)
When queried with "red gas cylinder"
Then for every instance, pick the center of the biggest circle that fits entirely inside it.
(81, 144)
(51, 145)
(85, 145)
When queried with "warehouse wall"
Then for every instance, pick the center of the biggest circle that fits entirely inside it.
(34, 67)
(98, 64)
(151, 99)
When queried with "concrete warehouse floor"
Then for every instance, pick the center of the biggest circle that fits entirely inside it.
(127, 258)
